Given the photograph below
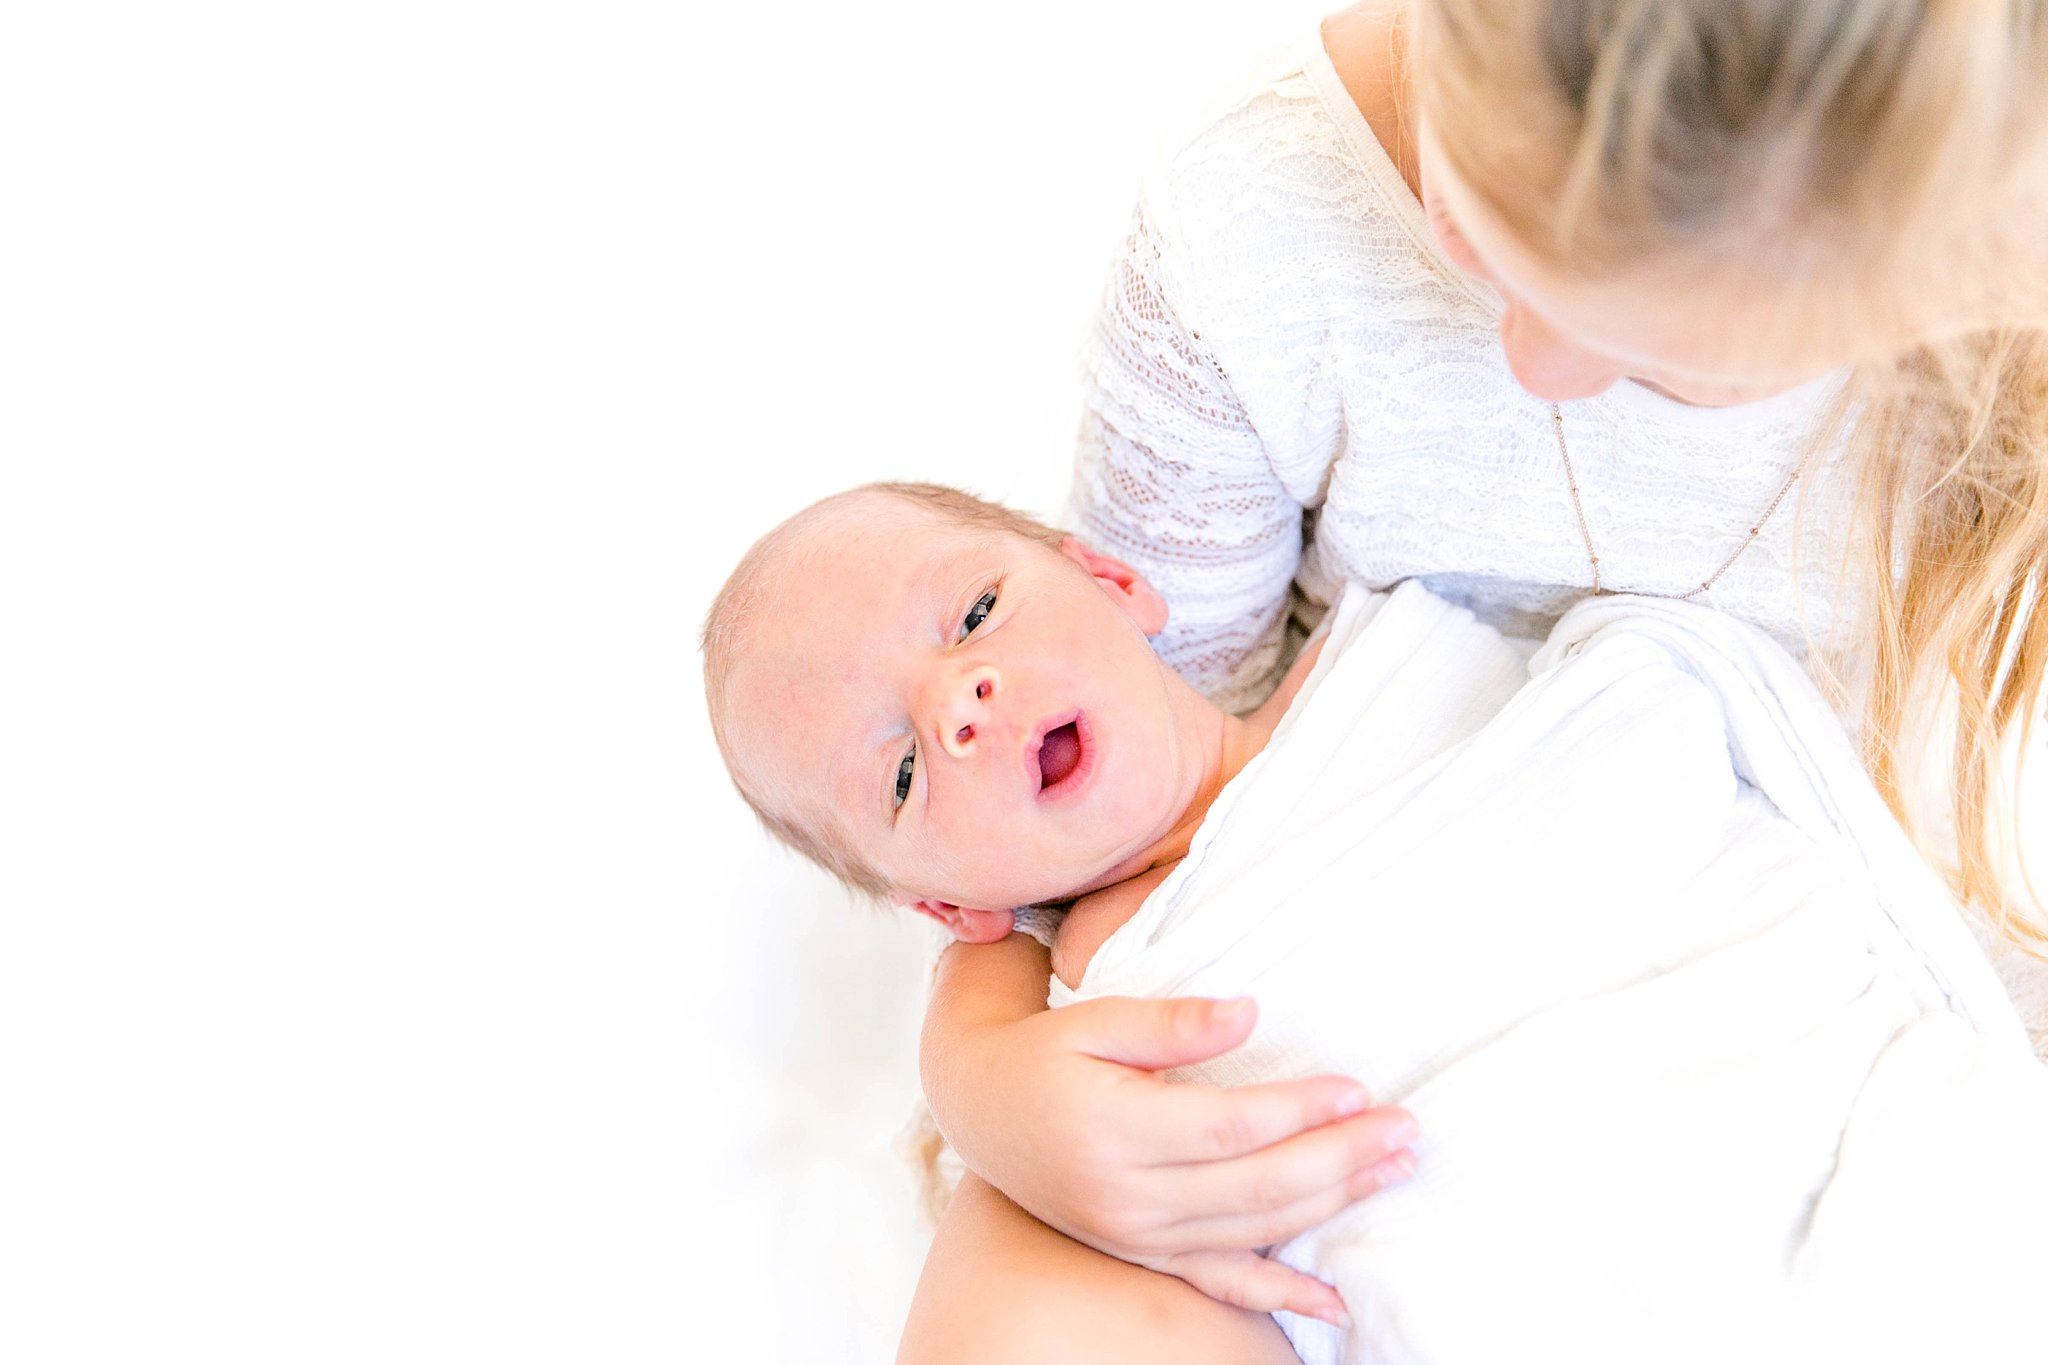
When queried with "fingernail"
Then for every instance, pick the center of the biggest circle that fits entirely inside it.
(1353, 1102)
(1338, 1318)
(1230, 1011)
(1399, 1167)
(1403, 1133)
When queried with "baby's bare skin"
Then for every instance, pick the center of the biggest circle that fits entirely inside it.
(1094, 917)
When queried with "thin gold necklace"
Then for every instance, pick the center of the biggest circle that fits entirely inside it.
(1586, 534)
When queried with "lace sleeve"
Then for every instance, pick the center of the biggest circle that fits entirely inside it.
(1170, 476)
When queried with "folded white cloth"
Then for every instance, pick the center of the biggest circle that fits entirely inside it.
(1708, 1066)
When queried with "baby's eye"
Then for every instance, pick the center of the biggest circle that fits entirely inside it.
(978, 613)
(903, 772)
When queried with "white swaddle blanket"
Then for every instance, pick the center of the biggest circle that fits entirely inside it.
(1707, 1065)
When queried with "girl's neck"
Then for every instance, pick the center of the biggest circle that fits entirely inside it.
(1368, 48)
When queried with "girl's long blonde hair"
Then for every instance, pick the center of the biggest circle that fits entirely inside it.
(1877, 166)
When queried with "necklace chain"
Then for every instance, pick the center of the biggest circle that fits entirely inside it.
(1585, 532)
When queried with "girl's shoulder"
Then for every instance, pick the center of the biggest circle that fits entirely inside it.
(1275, 221)
(1282, 136)
(1276, 73)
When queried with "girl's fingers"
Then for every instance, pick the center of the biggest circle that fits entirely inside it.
(1273, 1177)
(1268, 1227)
(1251, 1281)
(1199, 1123)
(1156, 1034)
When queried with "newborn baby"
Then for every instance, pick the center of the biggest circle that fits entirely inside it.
(955, 708)
(1639, 879)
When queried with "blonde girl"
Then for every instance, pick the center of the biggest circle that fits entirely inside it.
(1733, 299)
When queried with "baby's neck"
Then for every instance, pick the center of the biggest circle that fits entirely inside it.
(1093, 917)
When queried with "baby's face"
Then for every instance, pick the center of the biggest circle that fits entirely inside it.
(980, 715)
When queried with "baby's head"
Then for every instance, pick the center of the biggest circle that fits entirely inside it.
(949, 705)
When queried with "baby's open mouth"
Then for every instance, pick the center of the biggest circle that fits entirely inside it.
(1059, 753)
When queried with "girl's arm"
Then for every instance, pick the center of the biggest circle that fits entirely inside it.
(1002, 1288)
(1171, 476)
(1062, 1111)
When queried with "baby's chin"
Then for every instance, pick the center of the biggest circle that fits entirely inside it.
(1122, 870)
(1028, 879)
(1022, 892)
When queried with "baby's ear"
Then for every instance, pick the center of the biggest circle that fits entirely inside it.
(969, 926)
(1125, 585)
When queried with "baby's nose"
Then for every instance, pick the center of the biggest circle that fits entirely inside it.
(966, 709)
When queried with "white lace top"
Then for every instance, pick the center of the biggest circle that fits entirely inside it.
(1281, 336)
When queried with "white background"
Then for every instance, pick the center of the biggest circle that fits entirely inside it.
(386, 971)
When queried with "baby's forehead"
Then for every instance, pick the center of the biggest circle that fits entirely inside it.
(856, 560)
(828, 606)
(877, 551)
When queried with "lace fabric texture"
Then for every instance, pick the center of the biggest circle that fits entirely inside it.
(1288, 387)
(1281, 340)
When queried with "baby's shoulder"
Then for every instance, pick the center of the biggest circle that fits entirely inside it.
(1094, 917)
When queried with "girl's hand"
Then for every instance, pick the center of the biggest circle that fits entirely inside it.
(1062, 1111)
